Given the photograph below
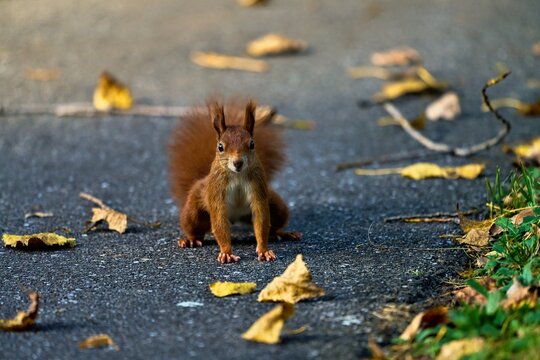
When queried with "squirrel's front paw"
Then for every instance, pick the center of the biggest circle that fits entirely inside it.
(267, 255)
(184, 243)
(227, 258)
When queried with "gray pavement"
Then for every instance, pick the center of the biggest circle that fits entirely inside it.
(132, 286)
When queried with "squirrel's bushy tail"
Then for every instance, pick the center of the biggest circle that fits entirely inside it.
(193, 143)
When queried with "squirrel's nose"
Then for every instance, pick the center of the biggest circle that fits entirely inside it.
(238, 164)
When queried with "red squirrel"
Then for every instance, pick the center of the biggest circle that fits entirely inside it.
(220, 168)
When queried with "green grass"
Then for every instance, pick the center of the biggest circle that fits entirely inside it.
(508, 332)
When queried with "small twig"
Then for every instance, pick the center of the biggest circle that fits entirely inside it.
(93, 199)
(384, 159)
(444, 148)
(88, 110)
(434, 217)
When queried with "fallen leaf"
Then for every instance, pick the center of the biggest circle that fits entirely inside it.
(528, 153)
(274, 44)
(226, 288)
(297, 124)
(111, 94)
(252, 2)
(425, 320)
(399, 56)
(535, 48)
(468, 295)
(518, 295)
(457, 349)
(39, 214)
(425, 82)
(469, 224)
(476, 237)
(420, 171)
(267, 328)
(24, 319)
(446, 107)
(519, 217)
(100, 340)
(115, 220)
(292, 286)
(38, 74)
(37, 241)
(219, 61)
(376, 352)
(523, 108)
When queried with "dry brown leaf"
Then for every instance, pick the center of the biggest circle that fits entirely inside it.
(519, 217)
(292, 286)
(24, 319)
(469, 295)
(425, 320)
(535, 48)
(115, 220)
(37, 241)
(457, 349)
(227, 288)
(376, 352)
(469, 224)
(446, 107)
(274, 44)
(40, 74)
(218, 61)
(476, 237)
(39, 214)
(252, 2)
(100, 340)
(111, 94)
(267, 328)
(518, 295)
(399, 56)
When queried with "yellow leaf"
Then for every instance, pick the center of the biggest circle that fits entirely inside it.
(267, 328)
(457, 349)
(424, 82)
(399, 56)
(425, 320)
(111, 94)
(101, 340)
(37, 240)
(251, 2)
(219, 61)
(446, 107)
(115, 220)
(421, 171)
(226, 288)
(274, 44)
(470, 171)
(468, 224)
(292, 286)
(24, 319)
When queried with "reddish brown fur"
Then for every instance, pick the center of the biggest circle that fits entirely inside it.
(201, 176)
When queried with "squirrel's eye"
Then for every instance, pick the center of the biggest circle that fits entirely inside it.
(252, 144)
(220, 147)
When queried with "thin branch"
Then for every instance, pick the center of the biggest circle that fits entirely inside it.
(444, 148)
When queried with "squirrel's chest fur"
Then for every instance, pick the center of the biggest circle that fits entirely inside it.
(238, 196)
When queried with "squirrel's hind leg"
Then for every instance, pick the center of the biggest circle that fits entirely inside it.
(279, 216)
(195, 223)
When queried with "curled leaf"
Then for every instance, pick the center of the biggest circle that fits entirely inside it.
(526, 109)
(420, 171)
(425, 320)
(24, 319)
(226, 288)
(457, 349)
(219, 61)
(446, 107)
(116, 220)
(399, 56)
(292, 286)
(38, 214)
(476, 237)
(274, 44)
(425, 82)
(37, 241)
(111, 94)
(267, 328)
(100, 340)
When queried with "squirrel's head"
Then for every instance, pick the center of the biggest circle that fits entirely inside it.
(235, 145)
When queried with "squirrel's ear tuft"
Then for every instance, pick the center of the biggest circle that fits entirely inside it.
(249, 119)
(218, 118)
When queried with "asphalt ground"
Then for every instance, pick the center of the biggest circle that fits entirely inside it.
(135, 286)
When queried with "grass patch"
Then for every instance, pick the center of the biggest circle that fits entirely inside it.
(498, 314)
